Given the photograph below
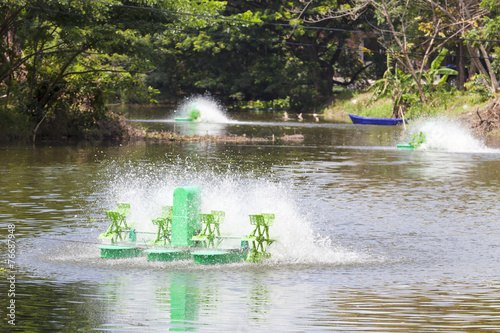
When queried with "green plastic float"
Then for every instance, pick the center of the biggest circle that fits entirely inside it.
(405, 146)
(184, 233)
(119, 251)
(208, 257)
(164, 254)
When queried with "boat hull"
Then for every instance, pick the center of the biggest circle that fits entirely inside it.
(376, 121)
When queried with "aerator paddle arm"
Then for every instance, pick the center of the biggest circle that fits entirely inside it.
(118, 225)
(260, 237)
(211, 228)
(164, 223)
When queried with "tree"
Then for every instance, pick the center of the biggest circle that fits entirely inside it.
(466, 17)
(271, 50)
(61, 60)
(486, 29)
(414, 32)
(399, 85)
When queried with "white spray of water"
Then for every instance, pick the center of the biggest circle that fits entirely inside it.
(446, 135)
(147, 188)
(210, 110)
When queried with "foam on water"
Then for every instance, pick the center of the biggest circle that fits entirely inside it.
(447, 135)
(211, 111)
(148, 187)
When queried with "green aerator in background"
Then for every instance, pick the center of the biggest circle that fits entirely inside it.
(194, 113)
(417, 141)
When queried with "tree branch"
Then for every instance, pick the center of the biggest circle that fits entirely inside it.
(353, 77)
(106, 70)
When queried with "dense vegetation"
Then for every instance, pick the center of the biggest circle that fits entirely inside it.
(62, 61)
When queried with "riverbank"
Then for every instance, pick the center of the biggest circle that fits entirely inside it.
(172, 136)
(477, 112)
(229, 138)
(485, 119)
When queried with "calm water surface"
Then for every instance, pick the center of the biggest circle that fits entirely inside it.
(370, 238)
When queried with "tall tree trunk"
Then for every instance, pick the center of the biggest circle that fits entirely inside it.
(491, 72)
(477, 63)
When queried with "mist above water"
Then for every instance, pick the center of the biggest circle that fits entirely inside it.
(445, 135)
(148, 187)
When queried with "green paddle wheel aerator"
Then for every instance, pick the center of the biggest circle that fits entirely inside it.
(183, 232)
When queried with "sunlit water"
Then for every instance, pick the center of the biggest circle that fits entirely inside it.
(370, 238)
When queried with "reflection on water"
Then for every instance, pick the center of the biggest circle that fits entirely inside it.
(370, 238)
(186, 127)
(200, 128)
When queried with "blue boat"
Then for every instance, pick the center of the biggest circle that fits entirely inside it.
(376, 121)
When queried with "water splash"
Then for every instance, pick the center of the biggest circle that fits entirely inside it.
(445, 134)
(148, 187)
(210, 110)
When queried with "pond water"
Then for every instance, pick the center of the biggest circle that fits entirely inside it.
(370, 238)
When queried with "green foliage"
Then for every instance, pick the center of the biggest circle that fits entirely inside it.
(488, 30)
(241, 59)
(13, 124)
(272, 104)
(399, 85)
(62, 61)
(479, 83)
(402, 87)
(66, 60)
(492, 6)
(436, 69)
(354, 102)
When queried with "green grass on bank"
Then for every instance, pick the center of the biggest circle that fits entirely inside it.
(360, 103)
